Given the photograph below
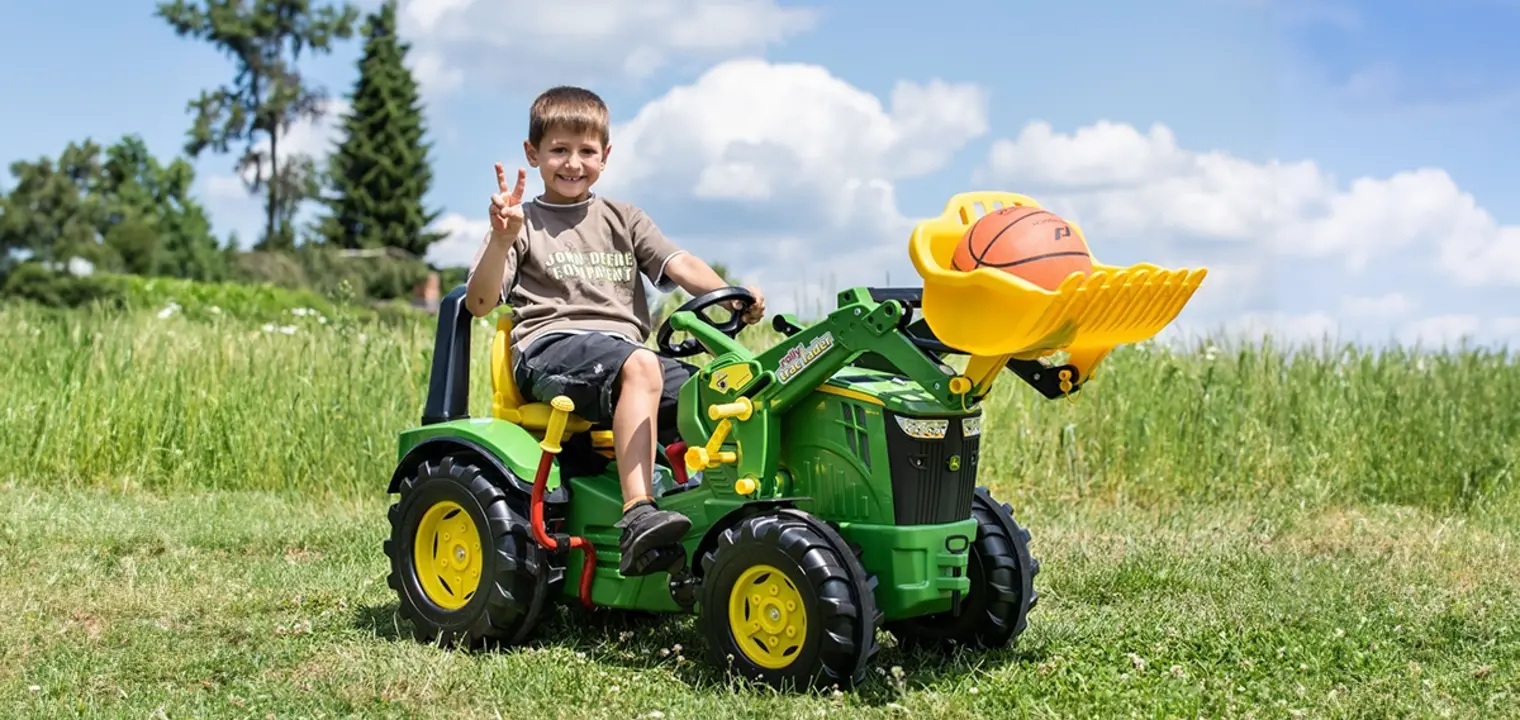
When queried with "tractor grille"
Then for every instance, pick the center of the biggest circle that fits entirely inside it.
(927, 486)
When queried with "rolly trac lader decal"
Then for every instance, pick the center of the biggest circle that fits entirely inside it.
(800, 357)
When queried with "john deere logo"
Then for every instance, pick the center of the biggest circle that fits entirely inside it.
(955, 463)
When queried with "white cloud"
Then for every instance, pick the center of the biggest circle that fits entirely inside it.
(1389, 305)
(464, 237)
(1282, 328)
(1452, 330)
(494, 40)
(817, 153)
(1440, 331)
(753, 130)
(1119, 181)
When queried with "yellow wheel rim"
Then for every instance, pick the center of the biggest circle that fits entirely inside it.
(766, 615)
(447, 555)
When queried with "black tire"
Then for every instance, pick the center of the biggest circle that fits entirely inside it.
(505, 604)
(834, 643)
(996, 609)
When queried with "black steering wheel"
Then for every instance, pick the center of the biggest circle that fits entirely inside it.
(731, 328)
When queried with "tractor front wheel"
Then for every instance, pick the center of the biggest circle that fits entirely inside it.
(786, 601)
(1002, 593)
(463, 563)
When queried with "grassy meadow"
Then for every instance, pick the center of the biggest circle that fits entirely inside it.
(192, 510)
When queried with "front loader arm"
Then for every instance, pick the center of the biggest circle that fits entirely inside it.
(740, 396)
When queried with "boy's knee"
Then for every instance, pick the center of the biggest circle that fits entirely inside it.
(642, 370)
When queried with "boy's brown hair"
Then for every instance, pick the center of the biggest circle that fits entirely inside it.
(570, 108)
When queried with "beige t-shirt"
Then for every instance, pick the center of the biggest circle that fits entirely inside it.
(576, 268)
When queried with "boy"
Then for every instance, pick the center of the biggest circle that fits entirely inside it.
(570, 261)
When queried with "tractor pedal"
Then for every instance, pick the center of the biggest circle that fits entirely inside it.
(683, 587)
(662, 559)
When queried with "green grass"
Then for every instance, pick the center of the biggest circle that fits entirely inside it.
(173, 404)
(242, 604)
(192, 512)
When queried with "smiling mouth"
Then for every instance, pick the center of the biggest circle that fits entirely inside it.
(575, 179)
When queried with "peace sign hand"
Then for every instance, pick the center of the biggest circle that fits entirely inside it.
(506, 206)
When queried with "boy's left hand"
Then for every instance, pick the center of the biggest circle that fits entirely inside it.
(756, 312)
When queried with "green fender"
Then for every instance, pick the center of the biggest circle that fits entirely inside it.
(507, 448)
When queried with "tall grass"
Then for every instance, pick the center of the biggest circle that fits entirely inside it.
(315, 404)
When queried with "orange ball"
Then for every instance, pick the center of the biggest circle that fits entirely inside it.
(1027, 242)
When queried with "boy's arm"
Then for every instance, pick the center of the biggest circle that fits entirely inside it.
(495, 261)
(664, 261)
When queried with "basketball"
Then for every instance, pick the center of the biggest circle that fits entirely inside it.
(1027, 242)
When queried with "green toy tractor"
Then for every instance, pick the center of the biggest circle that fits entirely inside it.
(831, 480)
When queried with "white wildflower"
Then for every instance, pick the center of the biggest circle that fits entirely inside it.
(168, 310)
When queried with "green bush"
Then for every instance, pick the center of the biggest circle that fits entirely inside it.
(261, 302)
(327, 271)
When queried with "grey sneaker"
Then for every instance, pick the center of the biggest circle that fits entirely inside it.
(647, 530)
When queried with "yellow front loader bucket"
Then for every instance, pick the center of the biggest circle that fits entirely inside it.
(993, 315)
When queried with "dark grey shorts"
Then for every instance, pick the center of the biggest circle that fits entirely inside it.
(586, 367)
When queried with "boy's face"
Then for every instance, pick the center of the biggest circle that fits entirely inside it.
(569, 163)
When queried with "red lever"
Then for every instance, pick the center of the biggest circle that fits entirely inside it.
(676, 454)
(540, 482)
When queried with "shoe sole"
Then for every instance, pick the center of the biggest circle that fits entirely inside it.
(653, 541)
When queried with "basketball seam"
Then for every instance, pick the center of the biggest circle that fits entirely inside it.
(1046, 256)
(980, 256)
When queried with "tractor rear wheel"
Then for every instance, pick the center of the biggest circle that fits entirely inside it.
(463, 562)
(996, 609)
(786, 601)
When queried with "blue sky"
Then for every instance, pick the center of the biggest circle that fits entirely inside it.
(1190, 100)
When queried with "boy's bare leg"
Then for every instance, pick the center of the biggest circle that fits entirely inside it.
(633, 424)
(645, 526)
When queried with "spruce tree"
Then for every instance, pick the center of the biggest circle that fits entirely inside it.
(380, 171)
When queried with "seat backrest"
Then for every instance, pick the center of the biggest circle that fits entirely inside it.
(505, 397)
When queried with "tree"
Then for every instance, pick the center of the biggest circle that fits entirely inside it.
(126, 211)
(380, 171)
(151, 220)
(50, 213)
(265, 39)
